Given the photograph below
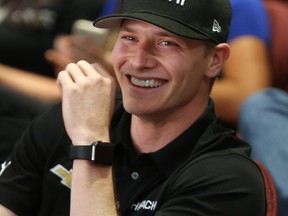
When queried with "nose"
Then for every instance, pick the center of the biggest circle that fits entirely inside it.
(143, 58)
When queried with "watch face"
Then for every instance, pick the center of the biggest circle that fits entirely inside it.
(104, 153)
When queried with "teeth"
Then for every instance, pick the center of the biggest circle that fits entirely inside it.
(146, 83)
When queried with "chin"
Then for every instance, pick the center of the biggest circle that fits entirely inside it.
(135, 108)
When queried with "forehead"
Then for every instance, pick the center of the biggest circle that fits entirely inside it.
(149, 30)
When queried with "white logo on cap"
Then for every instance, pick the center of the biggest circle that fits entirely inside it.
(216, 27)
(181, 2)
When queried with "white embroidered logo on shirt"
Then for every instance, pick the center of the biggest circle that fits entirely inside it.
(216, 27)
(4, 166)
(145, 204)
(181, 2)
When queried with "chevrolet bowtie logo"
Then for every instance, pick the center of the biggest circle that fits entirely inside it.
(64, 174)
(181, 2)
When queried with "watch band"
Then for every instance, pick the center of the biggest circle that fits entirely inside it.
(98, 152)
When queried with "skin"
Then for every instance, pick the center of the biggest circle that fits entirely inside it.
(246, 71)
(143, 51)
(229, 93)
(184, 74)
(71, 48)
(31, 84)
(67, 49)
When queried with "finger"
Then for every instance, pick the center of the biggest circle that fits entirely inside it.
(75, 71)
(64, 80)
(89, 70)
(95, 71)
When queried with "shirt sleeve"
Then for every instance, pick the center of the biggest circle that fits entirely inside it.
(249, 17)
(21, 177)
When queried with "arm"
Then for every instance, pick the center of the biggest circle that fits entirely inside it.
(246, 71)
(29, 83)
(92, 190)
(88, 103)
(70, 48)
(5, 212)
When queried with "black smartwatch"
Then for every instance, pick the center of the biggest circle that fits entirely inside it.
(98, 152)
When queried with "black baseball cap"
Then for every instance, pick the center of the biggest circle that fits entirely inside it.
(196, 19)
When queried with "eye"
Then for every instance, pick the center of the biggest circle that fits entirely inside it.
(168, 43)
(129, 38)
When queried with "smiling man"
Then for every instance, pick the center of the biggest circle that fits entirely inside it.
(163, 151)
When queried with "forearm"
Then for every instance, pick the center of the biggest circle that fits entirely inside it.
(88, 102)
(228, 99)
(5, 212)
(246, 71)
(29, 83)
(229, 95)
(92, 191)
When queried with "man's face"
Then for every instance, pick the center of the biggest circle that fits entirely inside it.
(159, 72)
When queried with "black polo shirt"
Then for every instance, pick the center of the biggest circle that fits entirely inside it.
(205, 171)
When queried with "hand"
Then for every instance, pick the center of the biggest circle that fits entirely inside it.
(88, 96)
(71, 49)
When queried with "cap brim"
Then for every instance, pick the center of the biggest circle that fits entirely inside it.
(114, 21)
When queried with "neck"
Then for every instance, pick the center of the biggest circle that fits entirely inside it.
(152, 134)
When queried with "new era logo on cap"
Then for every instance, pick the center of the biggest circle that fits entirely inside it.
(181, 2)
(216, 27)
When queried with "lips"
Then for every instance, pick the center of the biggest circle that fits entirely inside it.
(146, 83)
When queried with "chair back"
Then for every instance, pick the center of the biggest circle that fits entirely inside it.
(278, 15)
(271, 195)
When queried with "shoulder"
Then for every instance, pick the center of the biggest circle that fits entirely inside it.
(227, 164)
(223, 172)
(247, 7)
(224, 166)
(45, 134)
(50, 121)
(231, 179)
(219, 183)
(249, 17)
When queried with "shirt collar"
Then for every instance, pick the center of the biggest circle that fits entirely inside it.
(179, 149)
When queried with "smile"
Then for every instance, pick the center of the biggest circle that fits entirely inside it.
(146, 83)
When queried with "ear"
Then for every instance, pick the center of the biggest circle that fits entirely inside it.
(218, 58)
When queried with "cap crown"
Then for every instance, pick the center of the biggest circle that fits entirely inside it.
(209, 18)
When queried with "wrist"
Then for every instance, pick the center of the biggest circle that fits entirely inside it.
(98, 152)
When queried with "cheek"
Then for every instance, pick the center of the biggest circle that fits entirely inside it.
(119, 56)
(115, 54)
(189, 76)
(118, 60)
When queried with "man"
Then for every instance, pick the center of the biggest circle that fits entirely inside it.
(268, 136)
(171, 154)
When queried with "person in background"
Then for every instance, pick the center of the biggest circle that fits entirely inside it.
(30, 27)
(259, 111)
(163, 151)
(248, 68)
(263, 122)
(27, 80)
(27, 30)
